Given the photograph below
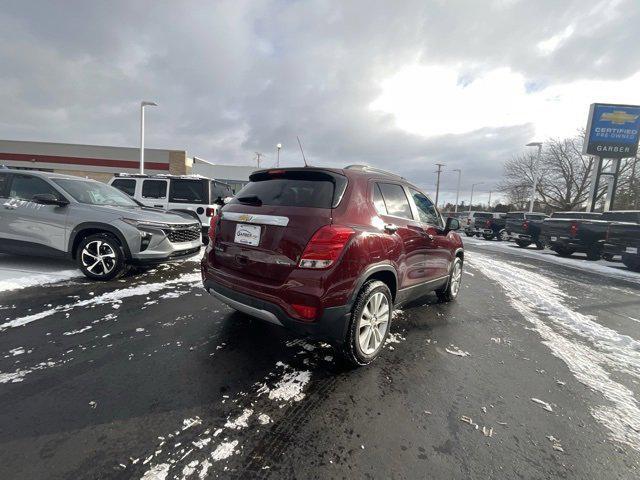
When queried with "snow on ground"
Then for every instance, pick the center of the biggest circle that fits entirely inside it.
(18, 272)
(594, 353)
(577, 261)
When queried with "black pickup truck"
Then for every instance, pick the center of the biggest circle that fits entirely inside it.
(623, 238)
(524, 228)
(571, 232)
(492, 227)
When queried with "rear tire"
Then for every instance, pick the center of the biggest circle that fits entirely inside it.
(608, 257)
(523, 243)
(563, 252)
(101, 257)
(487, 236)
(369, 324)
(594, 253)
(539, 246)
(451, 290)
(503, 236)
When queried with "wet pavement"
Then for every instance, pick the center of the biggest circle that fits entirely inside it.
(533, 373)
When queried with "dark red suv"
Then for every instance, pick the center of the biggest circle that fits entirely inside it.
(330, 253)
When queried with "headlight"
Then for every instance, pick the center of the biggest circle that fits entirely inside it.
(145, 223)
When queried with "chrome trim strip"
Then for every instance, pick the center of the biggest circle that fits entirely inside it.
(425, 284)
(256, 218)
(248, 309)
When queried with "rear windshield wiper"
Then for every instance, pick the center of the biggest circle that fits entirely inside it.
(250, 199)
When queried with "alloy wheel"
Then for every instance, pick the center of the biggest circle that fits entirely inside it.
(456, 278)
(373, 323)
(98, 257)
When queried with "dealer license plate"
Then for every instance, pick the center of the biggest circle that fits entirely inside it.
(632, 250)
(247, 234)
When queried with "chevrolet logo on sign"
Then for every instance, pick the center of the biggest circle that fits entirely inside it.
(618, 117)
(244, 218)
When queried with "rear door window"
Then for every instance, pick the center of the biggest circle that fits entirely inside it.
(125, 185)
(154, 189)
(396, 201)
(24, 187)
(188, 191)
(378, 201)
(426, 210)
(4, 184)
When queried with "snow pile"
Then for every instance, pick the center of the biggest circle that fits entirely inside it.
(224, 450)
(290, 386)
(17, 279)
(241, 421)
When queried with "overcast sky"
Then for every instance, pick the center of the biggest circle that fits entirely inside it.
(399, 84)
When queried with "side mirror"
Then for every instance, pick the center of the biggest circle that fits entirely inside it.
(452, 224)
(49, 199)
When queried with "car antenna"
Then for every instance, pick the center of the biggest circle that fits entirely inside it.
(302, 151)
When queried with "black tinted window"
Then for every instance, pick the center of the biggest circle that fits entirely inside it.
(378, 201)
(126, 185)
(188, 191)
(220, 190)
(395, 200)
(633, 217)
(25, 187)
(291, 192)
(154, 189)
(4, 183)
(536, 217)
(426, 210)
(482, 215)
(515, 216)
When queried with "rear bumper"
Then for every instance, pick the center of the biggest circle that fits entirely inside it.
(566, 243)
(520, 236)
(613, 249)
(331, 326)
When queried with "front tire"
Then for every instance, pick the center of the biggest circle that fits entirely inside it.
(450, 291)
(369, 324)
(100, 257)
(503, 236)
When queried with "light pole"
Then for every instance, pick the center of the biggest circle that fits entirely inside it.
(471, 199)
(535, 172)
(142, 105)
(440, 165)
(278, 147)
(490, 192)
(458, 192)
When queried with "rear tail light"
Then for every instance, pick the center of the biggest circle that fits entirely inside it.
(305, 312)
(212, 227)
(573, 229)
(525, 225)
(210, 211)
(325, 246)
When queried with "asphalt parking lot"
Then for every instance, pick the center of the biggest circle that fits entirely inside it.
(532, 373)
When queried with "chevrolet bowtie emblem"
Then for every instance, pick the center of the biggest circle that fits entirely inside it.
(244, 218)
(618, 117)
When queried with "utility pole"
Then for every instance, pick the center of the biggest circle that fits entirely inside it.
(535, 172)
(258, 157)
(278, 148)
(440, 165)
(458, 192)
(143, 104)
(490, 192)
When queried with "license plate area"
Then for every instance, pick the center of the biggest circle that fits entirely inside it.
(247, 234)
(633, 250)
(553, 239)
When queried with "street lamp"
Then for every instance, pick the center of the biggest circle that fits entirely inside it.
(535, 172)
(471, 199)
(458, 192)
(142, 105)
(278, 147)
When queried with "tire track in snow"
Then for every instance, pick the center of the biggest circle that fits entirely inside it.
(591, 359)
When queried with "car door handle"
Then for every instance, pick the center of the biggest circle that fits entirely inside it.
(391, 228)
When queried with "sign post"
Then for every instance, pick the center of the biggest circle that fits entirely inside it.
(613, 132)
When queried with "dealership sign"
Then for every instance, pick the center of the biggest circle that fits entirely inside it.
(612, 131)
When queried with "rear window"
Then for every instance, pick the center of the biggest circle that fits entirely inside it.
(220, 190)
(583, 215)
(536, 217)
(295, 188)
(483, 215)
(126, 185)
(516, 216)
(633, 217)
(188, 191)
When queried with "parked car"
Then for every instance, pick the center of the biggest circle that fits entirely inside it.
(492, 227)
(469, 222)
(623, 238)
(101, 228)
(568, 232)
(524, 228)
(194, 195)
(331, 252)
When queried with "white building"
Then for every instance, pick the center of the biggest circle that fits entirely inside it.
(234, 175)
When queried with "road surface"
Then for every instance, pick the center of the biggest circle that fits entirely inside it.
(532, 373)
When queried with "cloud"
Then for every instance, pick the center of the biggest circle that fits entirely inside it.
(234, 76)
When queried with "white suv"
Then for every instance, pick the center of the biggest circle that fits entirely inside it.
(192, 194)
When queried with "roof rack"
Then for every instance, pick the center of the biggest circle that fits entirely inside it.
(367, 168)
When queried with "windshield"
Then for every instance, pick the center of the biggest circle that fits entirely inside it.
(94, 193)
